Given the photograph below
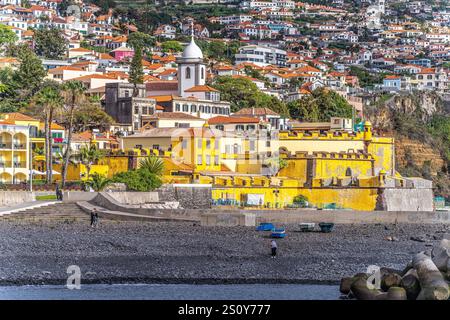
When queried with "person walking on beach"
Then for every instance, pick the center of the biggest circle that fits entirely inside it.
(96, 218)
(274, 248)
(93, 213)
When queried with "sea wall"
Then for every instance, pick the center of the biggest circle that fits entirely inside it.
(190, 196)
(11, 198)
(135, 197)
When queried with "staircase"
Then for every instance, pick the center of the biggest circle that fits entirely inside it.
(65, 212)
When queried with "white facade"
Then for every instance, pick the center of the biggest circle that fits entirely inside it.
(191, 69)
(261, 56)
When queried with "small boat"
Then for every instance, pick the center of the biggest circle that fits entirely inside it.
(307, 227)
(265, 227)
(278, 233)
(326, 226)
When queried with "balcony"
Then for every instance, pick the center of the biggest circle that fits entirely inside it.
(20, 146)
(5, 145)
(5, 164)
(19, 165)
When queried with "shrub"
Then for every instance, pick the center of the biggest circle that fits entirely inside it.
(301, 201)
(138, 180)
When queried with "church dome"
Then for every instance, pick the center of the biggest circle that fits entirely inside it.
(192, 51)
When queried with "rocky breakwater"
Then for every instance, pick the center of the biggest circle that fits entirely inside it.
(426, 277)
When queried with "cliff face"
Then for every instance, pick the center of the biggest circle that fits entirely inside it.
(410, 152)
(422, 142)
(421, 105)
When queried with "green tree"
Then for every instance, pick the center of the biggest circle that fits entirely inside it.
(321, 105)
(50, 100)
(171, 46)
(91, 116)
(98, 182)
(152, 164)
(74, 96)
(50, 43)
(243, 93)
(88, 156)
(136, 75)
(7, 36)
(30, 74)
(141, 40)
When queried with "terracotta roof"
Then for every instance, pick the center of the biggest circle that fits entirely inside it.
(54, 126)
(223, 119)
(163, 98)
(18, 116)
(68, 68)
(204, 88)
(159, 85)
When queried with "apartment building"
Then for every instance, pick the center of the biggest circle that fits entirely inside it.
(261, 56)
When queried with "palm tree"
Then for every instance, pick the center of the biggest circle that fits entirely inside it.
(152, 164)
(88, 156)
(50, 99)
(74, 96)
(98, 182)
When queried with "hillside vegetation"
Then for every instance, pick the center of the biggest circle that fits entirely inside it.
(420, 123)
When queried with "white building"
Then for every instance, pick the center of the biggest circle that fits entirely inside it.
(261, 56)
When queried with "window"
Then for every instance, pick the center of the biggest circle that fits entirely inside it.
(185, 108)
(267, 143)
(240, 127)
(199, 143)
(252, 145)
(203, 73)
(216, 160)
(227, 149)
(136, 109)
(219, 127)
(199, 159)
(136, 125)
(201, 108)
(216, 144)
(184, 144)
(127, 93)
(177, 107)
(188, 73)
(155, 146)
(193, 108)
(208, 143)
(208, 160)
(144, 110)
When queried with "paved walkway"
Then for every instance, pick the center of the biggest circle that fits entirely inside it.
(25, 206)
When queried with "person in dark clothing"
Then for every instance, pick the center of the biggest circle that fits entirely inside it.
(58, 193)
(96, 218)
(274, 248)
(93, 213)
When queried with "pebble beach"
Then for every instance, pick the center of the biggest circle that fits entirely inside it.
(185, 252)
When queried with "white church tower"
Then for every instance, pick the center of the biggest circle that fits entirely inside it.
(191, 69)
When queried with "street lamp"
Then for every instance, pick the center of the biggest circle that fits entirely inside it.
(30, 150)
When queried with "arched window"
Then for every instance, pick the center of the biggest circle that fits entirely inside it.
(188, 73)
(203, 73)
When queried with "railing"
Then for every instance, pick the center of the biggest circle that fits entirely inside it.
(20, 164)
(19, 146)
(6, 164)
(5, 146)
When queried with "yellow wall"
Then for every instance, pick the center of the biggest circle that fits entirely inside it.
(349, 198)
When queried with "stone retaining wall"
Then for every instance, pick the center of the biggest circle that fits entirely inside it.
(11, 198)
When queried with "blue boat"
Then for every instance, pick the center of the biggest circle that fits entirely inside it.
(265, 227)
(326, 226)
(278, 233)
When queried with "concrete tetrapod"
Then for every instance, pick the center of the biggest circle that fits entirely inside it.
(432, 283)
